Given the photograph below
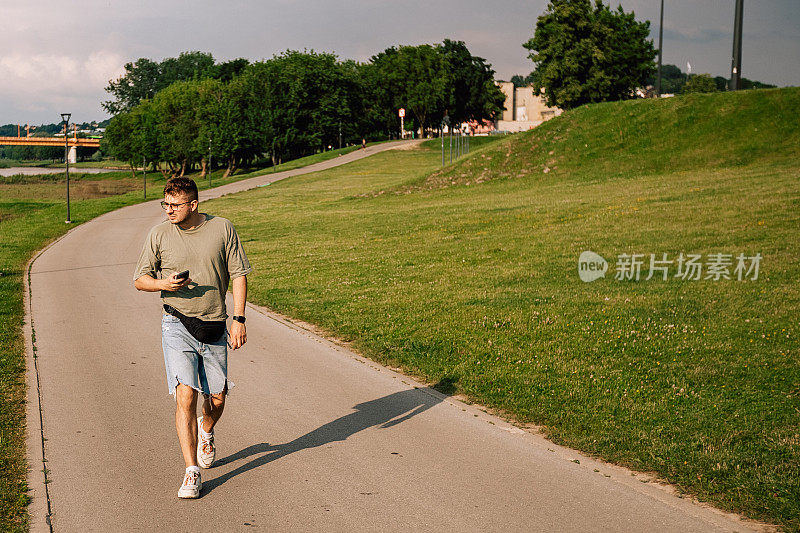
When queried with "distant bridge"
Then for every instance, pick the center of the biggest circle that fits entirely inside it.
(72, 142)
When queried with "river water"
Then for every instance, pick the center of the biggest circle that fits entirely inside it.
(34, 171)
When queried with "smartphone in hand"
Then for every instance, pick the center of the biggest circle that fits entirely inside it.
(182, 275)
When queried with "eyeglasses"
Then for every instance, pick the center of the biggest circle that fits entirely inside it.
(166, 205)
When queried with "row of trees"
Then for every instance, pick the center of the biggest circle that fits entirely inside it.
(23, 153)
(46, 153)
(673, 81)
(183, 109)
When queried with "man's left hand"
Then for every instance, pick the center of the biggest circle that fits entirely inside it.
(237, 335)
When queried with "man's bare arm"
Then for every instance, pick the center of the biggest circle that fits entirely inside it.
(148, 283)
(239, 295)
(238, 333)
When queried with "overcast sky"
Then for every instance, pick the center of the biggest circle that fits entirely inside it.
(58, 56)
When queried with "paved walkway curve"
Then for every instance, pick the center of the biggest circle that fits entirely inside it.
(314, 437)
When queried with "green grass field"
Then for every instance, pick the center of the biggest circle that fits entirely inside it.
(469, 274)
(32, 213)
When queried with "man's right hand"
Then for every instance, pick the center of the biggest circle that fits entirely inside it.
(172, 283)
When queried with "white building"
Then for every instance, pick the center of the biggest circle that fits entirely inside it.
(523, 109)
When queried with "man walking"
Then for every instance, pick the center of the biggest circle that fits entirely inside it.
(193, 332)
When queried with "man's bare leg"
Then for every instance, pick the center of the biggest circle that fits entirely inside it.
(186, 422)
(213, 405)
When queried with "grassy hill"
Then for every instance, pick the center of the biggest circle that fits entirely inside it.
(469, 275)
(629, 139)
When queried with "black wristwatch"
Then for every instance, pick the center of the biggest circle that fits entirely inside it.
(238, 318)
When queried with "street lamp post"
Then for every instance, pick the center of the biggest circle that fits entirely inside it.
(441, 135)
(65, 118)
(144, 173)
(660, 49)
(209, 161)
(446, 122)
(736, 60)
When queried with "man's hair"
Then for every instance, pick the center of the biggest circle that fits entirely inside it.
(180, 186)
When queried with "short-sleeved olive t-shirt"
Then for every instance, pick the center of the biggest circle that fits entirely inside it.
(211, 252)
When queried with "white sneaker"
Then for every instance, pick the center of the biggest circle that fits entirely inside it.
(191, 485)
(206, 451)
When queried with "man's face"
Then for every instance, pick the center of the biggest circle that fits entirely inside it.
(179, 208)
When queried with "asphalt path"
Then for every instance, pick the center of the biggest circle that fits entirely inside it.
(314, 437)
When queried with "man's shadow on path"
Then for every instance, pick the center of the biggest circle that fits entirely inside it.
(384, 412)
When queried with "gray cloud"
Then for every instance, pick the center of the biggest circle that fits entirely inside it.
(697, 35)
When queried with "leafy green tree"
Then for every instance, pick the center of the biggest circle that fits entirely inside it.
(721, 83)
(228, 70)
(416, 78)
(209, 116)
(672, 79)
(149, 145)
(178, 125)
(307, 95)
(187, 66)
(119, 138)
(24, 153)
(379, 115)
(251, 107)
(700, 83)
(586, 53)
(141, 81)
(126, 134)
(144, 78)
(472, 92)
(751, 84)
(53, 153)
(222, 112)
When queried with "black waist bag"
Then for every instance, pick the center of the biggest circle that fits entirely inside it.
(206, 331)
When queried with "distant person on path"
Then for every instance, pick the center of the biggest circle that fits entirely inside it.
(363, 144)
(193, 332)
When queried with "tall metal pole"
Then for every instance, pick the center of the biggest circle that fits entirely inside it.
(209, 161)
(144, 172)
(66, 163)
(736, 60)
(65, 118)
(660, 49)
(441, 135)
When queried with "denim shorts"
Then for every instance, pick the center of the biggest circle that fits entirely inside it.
(201, 366)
